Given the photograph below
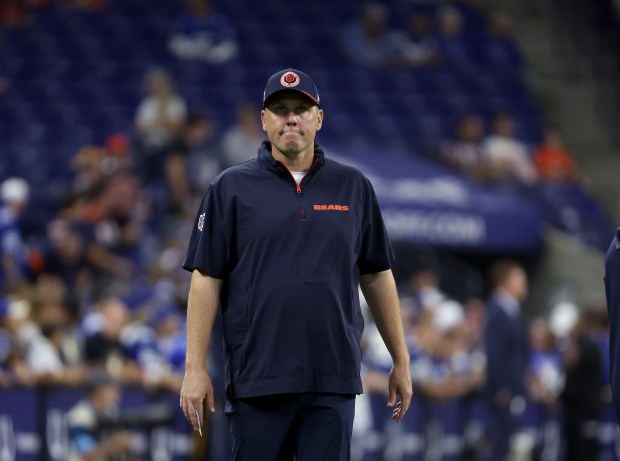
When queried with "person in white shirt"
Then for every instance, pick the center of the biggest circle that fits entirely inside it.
(506, 155)
(161, 113)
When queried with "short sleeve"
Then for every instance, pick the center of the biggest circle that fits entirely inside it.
(210, 242)
(376, 252)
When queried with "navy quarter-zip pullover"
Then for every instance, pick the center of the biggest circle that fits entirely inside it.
(290, 257)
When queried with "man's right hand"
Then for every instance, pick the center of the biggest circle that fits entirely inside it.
(196, 387)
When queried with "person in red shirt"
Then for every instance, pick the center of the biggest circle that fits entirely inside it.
(553, 161)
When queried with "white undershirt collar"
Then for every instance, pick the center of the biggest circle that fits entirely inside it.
(298, 175)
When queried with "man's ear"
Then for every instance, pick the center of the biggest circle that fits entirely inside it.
(320, 115)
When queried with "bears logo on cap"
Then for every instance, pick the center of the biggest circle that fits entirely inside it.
(289, 79)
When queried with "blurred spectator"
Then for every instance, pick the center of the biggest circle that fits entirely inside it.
(506, 349)
(474, 361)
(241, 140)
(419, 46)
(88, 164)
(171, 341)
(448, 345)
(114, 232)
(194, 159)
(118, 145)
(14, 194)
(88, 438)
(420, 339)
(612, 297)
(505, 154)
(50, 289)
(454, 46)
(18, 322)
(369, 41)
(424, 287)
(581, 397)
(475, 319)
(158, 120)
(140, 345)
(13, 367)
(465, 152)
(497, 49)
(376, 368)
(6, 344)
(66, 256)
(120, 152)
(202, 34)
(103, 347)
(596, 320)
(205, 159)
(553, 161)
(544, 381)
(596, 323)
(445, 372)
(45, 356)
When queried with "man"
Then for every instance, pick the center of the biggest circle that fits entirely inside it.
(283, 241)
(203, 34)
(580, 399)
(88, 439)
(506, 348)
(612, 291)
(14, 194)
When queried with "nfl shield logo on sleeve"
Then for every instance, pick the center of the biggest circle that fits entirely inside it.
(201, 222)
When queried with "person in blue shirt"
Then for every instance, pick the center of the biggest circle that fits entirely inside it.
(202, 34)
(539, 430)
(14, 194)
(369, 40)
(282, 242)
(444, 373)
(497, 51)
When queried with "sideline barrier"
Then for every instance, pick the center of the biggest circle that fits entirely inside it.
(33, 425)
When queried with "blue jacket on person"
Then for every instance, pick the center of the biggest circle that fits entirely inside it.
(612, 292)
(506, 346)
(290, 257)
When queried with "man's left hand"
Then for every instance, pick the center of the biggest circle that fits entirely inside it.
(400, 385)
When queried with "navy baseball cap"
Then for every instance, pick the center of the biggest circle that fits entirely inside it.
(291, 80)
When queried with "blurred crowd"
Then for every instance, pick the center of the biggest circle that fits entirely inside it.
(502, 156)
(491, 381)
(101, 283)
(453, 34)
(492, 147)
(99, 287)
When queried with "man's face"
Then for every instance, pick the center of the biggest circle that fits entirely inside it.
(106, 398)
(291, 121)
(517, 284)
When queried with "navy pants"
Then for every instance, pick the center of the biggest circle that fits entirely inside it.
(287, 427)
